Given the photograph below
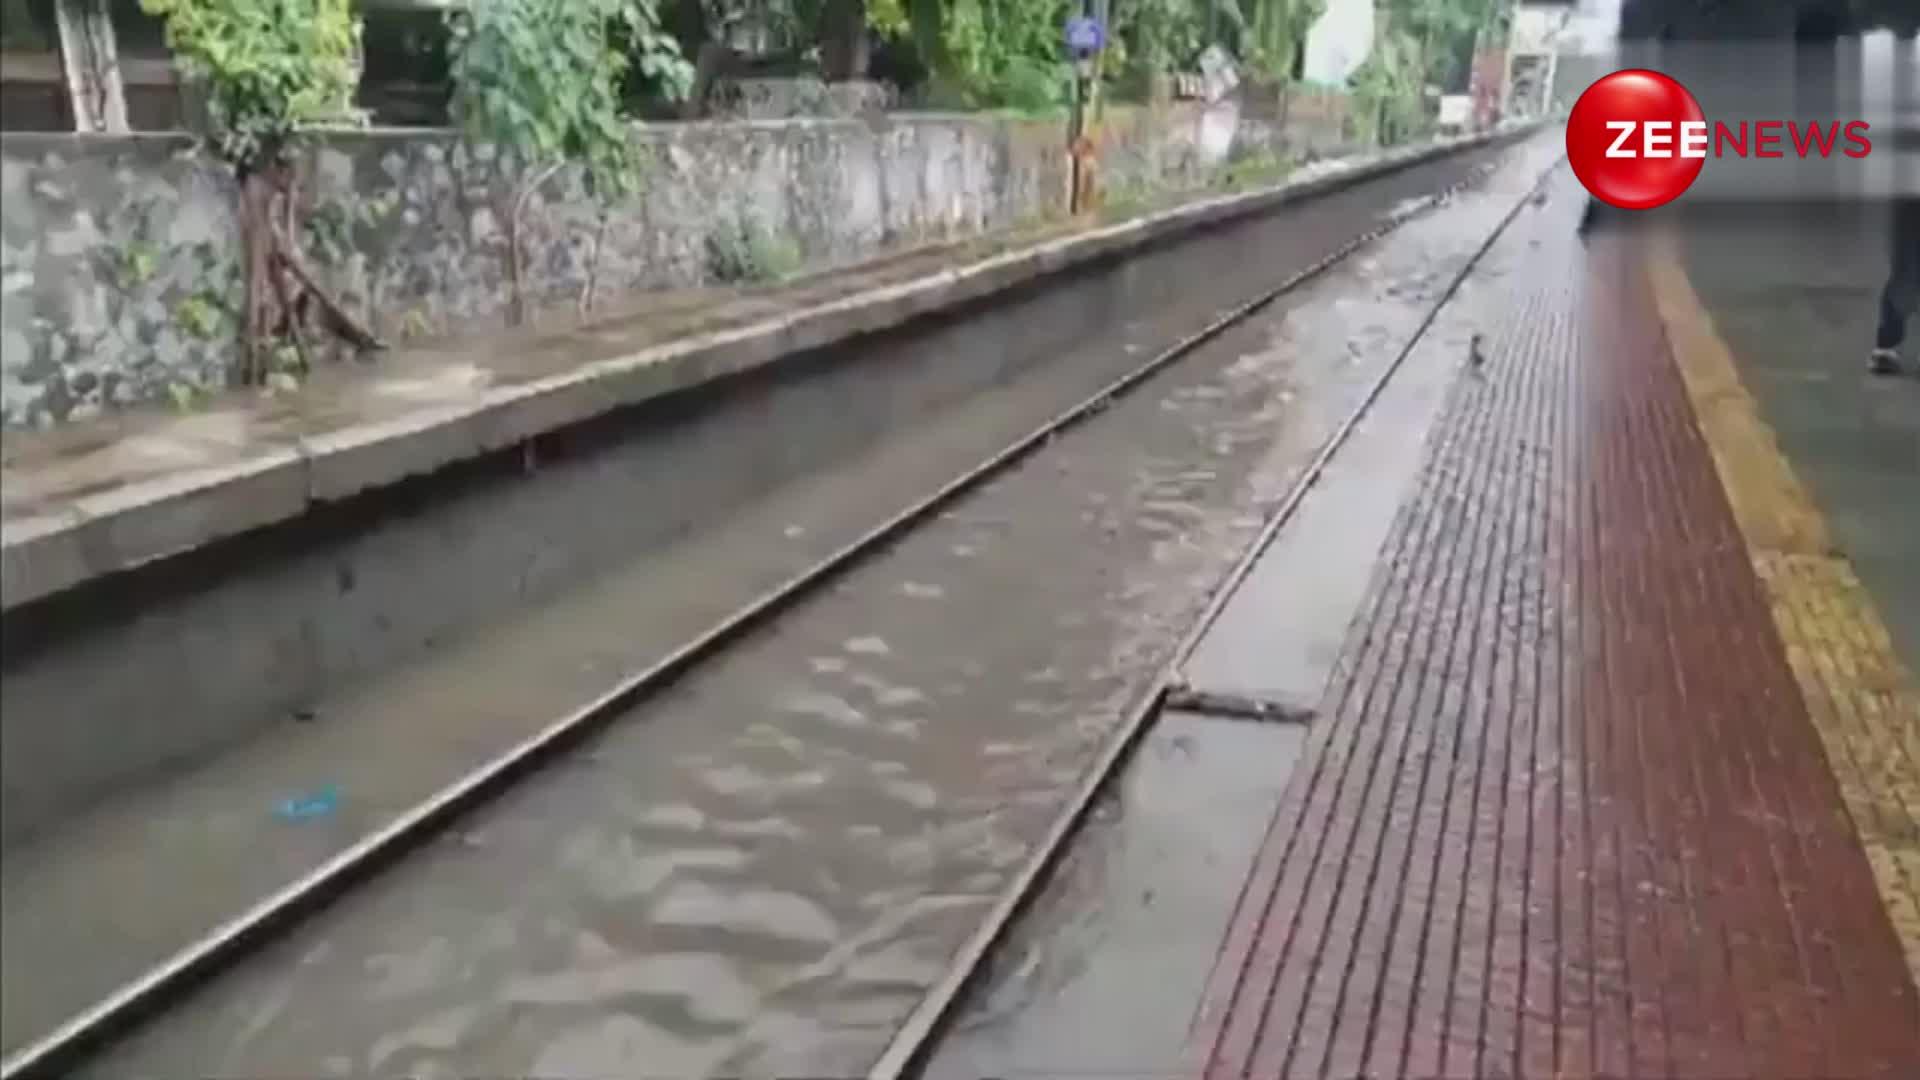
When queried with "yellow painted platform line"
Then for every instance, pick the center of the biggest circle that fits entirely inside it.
(1864, 703)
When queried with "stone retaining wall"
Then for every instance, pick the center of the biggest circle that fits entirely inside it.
(118, 265)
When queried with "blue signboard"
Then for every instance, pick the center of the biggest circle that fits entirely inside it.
(1085, 36)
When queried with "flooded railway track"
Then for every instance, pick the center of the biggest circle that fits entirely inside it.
(918, 1037)
(566, 741)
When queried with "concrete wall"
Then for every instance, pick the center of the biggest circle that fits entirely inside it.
(118, 262)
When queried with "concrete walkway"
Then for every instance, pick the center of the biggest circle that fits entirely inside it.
(1793, 290)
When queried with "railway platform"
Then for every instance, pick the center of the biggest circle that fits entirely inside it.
(1616, 771)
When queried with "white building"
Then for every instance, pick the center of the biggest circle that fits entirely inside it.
(1338, 42)
(1541, 31)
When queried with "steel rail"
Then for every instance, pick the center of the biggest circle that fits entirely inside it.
(906, 1055)
(154, 990)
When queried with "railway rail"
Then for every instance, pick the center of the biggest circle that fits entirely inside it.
(153, 993)
(919, 1035)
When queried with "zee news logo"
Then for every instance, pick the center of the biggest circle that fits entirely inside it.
(1693, 139)
(1637, 139)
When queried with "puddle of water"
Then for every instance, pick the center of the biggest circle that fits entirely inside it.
(1103, 975)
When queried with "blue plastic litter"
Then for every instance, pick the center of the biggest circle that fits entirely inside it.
(319, 804)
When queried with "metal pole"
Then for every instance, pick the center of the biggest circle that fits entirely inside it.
(90, 57)
(1077, 121)
(1102, 12)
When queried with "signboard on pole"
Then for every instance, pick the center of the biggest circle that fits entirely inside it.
(1085, 36)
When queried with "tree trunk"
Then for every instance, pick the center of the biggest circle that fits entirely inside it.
(516, 306)
(516, 294)
(843, 48)
(708, 64)
(593, 264)
(293, 304)
(256, 232)
(280, 290)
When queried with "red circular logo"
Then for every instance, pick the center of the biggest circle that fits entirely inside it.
(1636, 139)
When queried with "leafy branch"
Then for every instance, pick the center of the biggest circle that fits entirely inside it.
(543, 77)
(270, 69)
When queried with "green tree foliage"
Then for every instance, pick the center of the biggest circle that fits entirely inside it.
(1159, 36)
(1387, 104)
(1008, 52)
(1277, 32)
(543, 78)
(985, 53)
(1417, 44)
(268, 69)
(1442, 32)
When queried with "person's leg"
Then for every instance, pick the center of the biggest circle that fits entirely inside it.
(1896, 307)
(1885, 358)
(1901, 295)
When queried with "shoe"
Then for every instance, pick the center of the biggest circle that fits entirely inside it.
(1884, 362)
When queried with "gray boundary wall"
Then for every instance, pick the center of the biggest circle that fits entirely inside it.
(118, 255)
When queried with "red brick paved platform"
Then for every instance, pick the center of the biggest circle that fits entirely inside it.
(1566, 814)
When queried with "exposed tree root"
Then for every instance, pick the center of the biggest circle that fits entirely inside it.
(281, 292)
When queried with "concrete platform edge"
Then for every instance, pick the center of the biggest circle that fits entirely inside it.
(103, 533)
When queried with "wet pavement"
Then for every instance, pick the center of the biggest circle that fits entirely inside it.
(1795, 292)
(1571, 807)
(1102, 975)
(764, 870)
(1277, 640)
